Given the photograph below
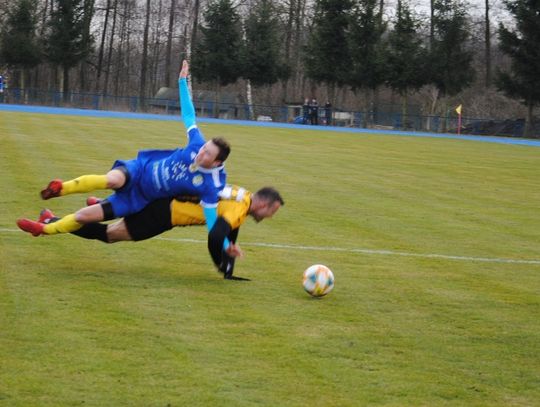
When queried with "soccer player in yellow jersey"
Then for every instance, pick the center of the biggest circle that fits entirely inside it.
(234, 206)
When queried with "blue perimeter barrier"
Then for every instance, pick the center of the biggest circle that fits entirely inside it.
(146, 116)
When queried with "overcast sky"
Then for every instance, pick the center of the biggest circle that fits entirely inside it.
(477, 8)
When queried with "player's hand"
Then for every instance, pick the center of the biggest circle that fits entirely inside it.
(184, 72)
(227, 265)
(234, 250)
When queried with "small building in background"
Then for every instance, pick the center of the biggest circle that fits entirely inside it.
(228, 106)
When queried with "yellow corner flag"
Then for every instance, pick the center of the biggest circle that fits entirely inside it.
(458, 110)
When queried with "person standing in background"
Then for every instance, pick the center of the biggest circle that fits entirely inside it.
(305, 111)
(314, 112)
(328, 113)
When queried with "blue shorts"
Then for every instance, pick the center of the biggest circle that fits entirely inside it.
(129, 199)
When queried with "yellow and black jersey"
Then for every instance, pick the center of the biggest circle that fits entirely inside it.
(233, 206)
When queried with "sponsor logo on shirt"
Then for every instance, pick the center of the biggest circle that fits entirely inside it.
(197, 180)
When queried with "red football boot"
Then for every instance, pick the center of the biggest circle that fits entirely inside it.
(45, 216)
(35, 228)
(53, 189)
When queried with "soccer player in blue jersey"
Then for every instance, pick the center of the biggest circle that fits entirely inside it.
(196, 169)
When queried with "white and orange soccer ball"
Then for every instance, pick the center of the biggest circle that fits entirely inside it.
(318, 280)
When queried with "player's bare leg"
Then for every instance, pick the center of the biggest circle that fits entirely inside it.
(118, 232)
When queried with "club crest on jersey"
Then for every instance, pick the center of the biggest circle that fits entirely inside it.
(197, 180)
(193, 167)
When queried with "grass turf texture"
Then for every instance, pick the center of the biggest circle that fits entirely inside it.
(153, 324)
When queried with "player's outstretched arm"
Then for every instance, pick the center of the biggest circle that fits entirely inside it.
(223, 259)
(186, 104)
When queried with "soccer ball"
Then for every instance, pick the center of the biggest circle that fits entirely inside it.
(318, 280)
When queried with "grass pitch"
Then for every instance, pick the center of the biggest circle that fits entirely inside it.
(434, 244)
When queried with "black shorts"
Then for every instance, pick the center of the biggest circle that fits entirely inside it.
(153, 220)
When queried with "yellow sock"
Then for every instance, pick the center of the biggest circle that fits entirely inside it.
(65, 225)
(85, 183)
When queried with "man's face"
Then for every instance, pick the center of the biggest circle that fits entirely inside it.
(265, 210)
(206, 157)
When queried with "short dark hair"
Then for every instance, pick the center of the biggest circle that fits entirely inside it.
(270, 194)
(224, 148)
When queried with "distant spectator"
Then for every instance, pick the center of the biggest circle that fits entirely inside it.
(328, 113)
(314, 112)
(305, 111)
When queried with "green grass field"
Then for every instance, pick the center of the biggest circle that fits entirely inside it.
(153, 324)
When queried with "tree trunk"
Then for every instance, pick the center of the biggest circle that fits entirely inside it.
(299, 82)
(445, 112)
(87, 20)
(404, 108)
(192, 41)
(44, 18)
(434, 100)
(119, 60)
(127, 63)
(53, 78)
(102, 46)
(249, 98)
(156, 49)
(65, 83)
(528, 130)
(431, 23)
(217, 99)
(144, 62)
(22, 78)
(111, 43)
(488, 46)
(59, 79)
(331, 90)
(168, 56)
(288, 43)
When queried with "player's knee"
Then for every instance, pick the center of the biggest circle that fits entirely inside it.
(82, 217)
(89, 214)
(115, 179)
(112, 235)
(118, 232)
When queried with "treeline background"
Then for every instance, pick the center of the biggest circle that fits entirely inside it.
(356, 54)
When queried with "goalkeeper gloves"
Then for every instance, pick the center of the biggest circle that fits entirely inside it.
(227, 267)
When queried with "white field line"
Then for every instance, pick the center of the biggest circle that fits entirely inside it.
(368, 251)
(352, 250)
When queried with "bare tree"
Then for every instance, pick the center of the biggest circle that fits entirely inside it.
(110, 51)
(288, 43)
(300, 34)
(193, 38)
(102, 45)
(168, 50)
(87, 21)
(144, 60)
(488, 45)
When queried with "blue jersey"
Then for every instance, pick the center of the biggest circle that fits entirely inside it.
(156, 174)
(176, 174)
